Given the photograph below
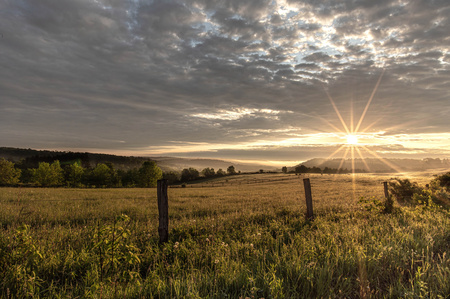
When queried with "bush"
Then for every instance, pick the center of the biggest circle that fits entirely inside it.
(442, 181)
(404, 190)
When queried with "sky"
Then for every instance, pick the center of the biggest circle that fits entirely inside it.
(271, 81)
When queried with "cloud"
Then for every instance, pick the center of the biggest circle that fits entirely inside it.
(87, 73)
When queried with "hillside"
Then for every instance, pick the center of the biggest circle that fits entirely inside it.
(180, 163)
(385, 165)
(30, 158)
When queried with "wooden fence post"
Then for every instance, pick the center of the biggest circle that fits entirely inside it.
(386, 191)
(308, 196)
(163, 209)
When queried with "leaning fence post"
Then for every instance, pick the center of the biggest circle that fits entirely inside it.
(308, 196)
(163, 209)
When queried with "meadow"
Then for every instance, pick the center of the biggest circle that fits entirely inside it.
(243, 236)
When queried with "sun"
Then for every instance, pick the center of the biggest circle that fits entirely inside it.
(352, 139)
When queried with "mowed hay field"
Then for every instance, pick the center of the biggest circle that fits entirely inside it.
(245, 237)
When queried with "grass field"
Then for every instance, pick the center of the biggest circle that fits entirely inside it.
(244, 237)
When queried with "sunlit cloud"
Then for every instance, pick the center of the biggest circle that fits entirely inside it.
(238, 113)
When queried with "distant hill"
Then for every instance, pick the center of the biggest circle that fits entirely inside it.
(384, 165)
(30, 158)
(199, 164)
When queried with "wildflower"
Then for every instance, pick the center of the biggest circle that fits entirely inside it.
(251, 245)
(259, 234)
(176, 245)
(207, 239)
(216, 261)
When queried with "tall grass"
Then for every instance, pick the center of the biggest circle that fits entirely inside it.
(248, 240)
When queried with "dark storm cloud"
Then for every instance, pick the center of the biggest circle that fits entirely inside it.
(131, 74)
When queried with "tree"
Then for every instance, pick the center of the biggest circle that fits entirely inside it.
(48, 175)
(101, 176)
(115, 178)
(189, 174)
(301, 169)
(208, 172)
(8, 174)
(171, 177)
(284, 169)
(231, 170)
(129, 178)
(74, 175)
(220, 172)
(149, 174)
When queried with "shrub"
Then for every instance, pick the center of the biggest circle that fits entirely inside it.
(442, 181)
(404, 190)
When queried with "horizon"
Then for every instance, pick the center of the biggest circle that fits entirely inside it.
(272, 164)
(251, 81)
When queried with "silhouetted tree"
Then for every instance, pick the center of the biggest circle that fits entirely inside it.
(220, 172)
(171, 176)
(301, 169)
(208, 172)
(284, 169)
(189, 174)
(231, 170)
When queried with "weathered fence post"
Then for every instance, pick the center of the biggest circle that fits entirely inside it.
(386, 191)
(308, 196)
(163, 209)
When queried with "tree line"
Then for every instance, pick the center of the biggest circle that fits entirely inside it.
(75, 175)
(299, 169)
(56, 174)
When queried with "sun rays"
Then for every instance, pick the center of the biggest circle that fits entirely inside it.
(353, 136)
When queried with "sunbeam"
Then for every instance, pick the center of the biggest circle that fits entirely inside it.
(368, 102)
(335, 152)
(331, 125)
(383, 160)
(353, 171)
(362, 158)
(338, 113)
(343, 159)
(357, 138)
